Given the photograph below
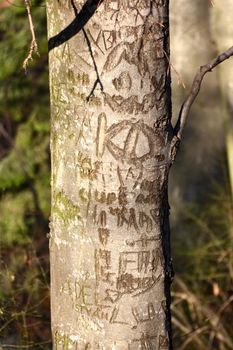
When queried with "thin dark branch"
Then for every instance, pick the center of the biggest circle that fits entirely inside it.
(97, 81)
(76, 25)
(185, 109)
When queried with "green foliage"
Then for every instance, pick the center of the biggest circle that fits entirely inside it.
(13, 226)
(20, 91)
(25, 109)
(28, 152)
(24, 181)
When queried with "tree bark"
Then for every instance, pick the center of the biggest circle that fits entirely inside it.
(110, 144)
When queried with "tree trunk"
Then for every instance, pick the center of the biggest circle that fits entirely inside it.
(110, 140)
(192, 46)
(222, 34)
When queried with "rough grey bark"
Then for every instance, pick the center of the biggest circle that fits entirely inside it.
(110, 146)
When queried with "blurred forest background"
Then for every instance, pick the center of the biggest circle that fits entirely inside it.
(201, 181)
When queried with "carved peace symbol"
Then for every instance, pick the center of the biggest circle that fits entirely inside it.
(134, 130)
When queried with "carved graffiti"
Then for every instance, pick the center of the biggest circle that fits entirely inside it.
(147, 195)
(103, 197)
(123, 82)
(101, 130)
(79, 289)
(129, 283)
(63, 340)
(143, 52)
(140, 144)
(131, 105)
(101, 312)
(103, 266)
(109, 37)
(104, 234)
(116, 316)
(144, 341)
(141, 261)
(136, 8)
(101, 40)
(144, 315)
(138, 271)
(148, 192)
(87, 168)
(163, 342)
(144, 240)
(134, 218)
(127, 217)
(82, 79)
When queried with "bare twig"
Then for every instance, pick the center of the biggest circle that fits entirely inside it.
(190, 334)
(214, 320)
(185, 109)
(178, 75)
(225, 305)
(33, 46)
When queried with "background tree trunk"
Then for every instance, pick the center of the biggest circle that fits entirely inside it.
(110, 137)
(222, 30)
(192, 46)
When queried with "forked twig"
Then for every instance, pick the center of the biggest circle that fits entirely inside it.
(33, 46)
